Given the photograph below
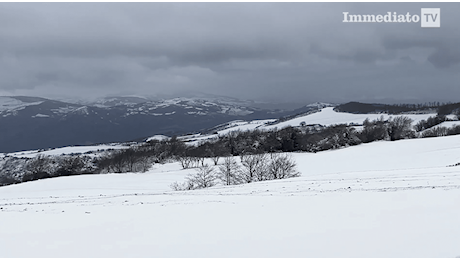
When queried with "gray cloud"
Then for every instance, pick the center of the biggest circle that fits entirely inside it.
(286, 52)
(445, 57)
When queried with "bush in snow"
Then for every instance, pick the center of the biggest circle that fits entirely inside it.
(11, 170)
(38, 168)
(282, 166)
(435, 131)
(254, 168)
(429, 122)
(204, 177)
(400, 128)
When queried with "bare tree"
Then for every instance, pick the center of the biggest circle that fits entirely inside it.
(192, 162)
(215, 159)
(130, 157)
(182, 186)
(374, 130)
(282, 166)
(254, 167)
(203, 178)
(145, 162)
(117, 162)
(200, 161)
(229, 171)
(37, 168)
(400, 127)
(69, 165)
(185, 161)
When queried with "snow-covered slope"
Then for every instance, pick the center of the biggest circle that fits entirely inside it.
(383, 199)
(328, 116)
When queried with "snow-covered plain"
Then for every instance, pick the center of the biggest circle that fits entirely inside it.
(383, 199)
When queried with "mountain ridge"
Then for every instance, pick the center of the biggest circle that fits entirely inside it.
(28, 123)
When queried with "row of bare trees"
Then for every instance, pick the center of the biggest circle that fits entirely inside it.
(252, 168)
(441, 131)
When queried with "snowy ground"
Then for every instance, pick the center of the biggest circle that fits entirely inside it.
(384, 199)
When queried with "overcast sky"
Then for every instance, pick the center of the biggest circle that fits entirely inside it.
(272, 52)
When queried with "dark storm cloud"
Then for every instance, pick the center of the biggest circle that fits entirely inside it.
(299, 52)
(444, 51)
(359, 55)
(444, 58)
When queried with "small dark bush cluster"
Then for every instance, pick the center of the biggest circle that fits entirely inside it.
(441, 131)
(429, 122)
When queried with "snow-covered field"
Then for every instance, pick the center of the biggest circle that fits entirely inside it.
(383, 199)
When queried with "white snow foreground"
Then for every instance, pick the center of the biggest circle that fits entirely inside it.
(383, 199)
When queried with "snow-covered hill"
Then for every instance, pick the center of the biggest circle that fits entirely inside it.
(382, 199)
(323, 116)
(12, 104)
(328, 116)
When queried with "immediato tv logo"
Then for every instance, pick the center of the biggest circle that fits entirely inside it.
(429, 18)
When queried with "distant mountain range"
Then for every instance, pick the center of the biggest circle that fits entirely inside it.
(28, 123)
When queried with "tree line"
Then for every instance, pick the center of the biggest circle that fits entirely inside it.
(365, 108)
(252, 168)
